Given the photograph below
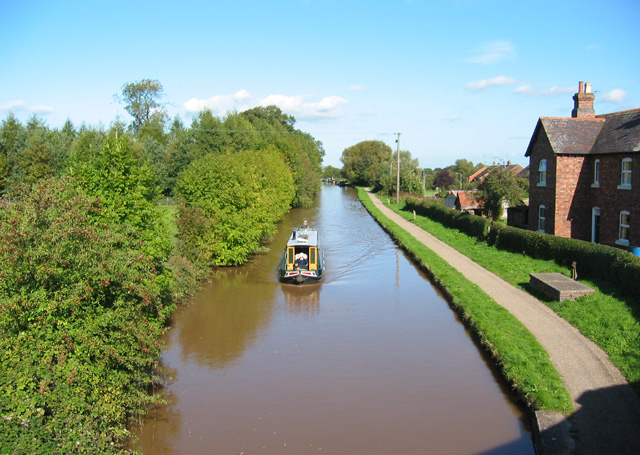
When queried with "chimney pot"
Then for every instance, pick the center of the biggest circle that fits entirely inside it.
(583, 102)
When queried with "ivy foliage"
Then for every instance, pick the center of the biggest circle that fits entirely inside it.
(80, 316)
(232, 201)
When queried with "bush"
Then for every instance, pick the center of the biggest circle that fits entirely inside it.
(80, 316)
(473, 225)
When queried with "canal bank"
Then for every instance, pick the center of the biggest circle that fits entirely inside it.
(607, 411)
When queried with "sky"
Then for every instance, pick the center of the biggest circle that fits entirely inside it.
(458, 79)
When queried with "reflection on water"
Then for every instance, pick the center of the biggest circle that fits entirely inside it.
(371, 361)
(302, 300)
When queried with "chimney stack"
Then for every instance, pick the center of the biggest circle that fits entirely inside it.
(583, 102)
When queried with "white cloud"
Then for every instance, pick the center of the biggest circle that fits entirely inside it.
(297, 106)
(489, 83)
(527, 90)
(41, 109)
(617, 95)
(219, 104)
(21, 106)
(494, 52)
(14, 105)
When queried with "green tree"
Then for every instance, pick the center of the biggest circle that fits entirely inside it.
(268, 118)
(125, 188)
(35, 161)
(410, 175)
(331, 172)
(142, 102)
(179, 155)
(364, 162)
(232, 202)
(499, 186)
(428, 176)
(465, 168)
(207, 132)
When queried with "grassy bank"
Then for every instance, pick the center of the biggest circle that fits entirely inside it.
(609, 319)
(524, 363)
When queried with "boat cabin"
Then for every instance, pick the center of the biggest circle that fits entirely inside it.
(302, 250)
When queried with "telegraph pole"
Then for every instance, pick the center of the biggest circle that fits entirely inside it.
(398, 181)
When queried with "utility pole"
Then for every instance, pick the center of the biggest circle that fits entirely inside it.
(398, 181)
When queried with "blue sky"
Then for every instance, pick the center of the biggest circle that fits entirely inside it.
(458, 79)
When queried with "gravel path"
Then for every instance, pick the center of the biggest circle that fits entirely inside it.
(607, 416)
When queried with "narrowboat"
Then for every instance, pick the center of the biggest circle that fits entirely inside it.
(303, 258)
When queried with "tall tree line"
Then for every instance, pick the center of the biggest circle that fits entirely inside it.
(32, 151)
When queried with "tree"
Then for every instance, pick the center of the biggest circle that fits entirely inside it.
(443, 179)
(232, 201)
(500, 185)
(126, 192)
(142, 100)
(363, 162)
(331, 172)
(268, 118)
(410, 175)
(466, 168)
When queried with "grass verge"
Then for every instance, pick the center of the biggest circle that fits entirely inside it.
(523, 362)
(609, 319)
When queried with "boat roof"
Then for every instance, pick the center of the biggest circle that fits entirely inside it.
(303, 236)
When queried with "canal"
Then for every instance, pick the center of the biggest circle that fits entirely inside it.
(371, 361)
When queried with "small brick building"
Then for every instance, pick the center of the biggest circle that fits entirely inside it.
(584, 178)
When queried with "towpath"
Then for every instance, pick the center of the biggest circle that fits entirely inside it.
(607, 415)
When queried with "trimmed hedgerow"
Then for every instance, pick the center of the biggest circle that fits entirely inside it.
(473, 225)
(601, 263)
(598, 262)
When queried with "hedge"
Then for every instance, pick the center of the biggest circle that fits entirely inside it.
(475, 226)
(614, 266)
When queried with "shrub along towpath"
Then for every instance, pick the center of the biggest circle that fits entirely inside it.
(606, 419)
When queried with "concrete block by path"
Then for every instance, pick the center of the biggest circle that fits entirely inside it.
(558, 287)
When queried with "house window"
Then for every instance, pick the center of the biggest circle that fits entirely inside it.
(596, 174)
(623, 236)
(541, 218)
(625, 177)
(542, 173)
(595, 225)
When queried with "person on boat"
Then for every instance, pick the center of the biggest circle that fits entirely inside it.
(301, 261)
(305, 225)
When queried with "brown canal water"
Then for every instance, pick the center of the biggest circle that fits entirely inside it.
(371, 361)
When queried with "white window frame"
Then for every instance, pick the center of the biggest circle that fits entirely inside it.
(623, 228)
(625, 174)
(542, 173)
(542, 218)
(596, 174)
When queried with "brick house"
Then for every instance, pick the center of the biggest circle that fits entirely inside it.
(582, 182)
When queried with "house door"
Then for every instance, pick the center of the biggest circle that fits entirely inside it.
(595, 225)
